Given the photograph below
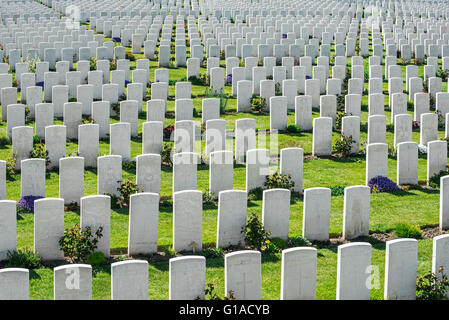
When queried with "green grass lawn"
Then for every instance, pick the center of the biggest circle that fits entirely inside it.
(419, 207)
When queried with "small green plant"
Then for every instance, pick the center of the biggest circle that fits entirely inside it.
(4, 140)
(212, 253)
(115, 107)
(402, 62)
(39, 152)
(32, 63)
(406, 230)
(205, 79)
(93, 63)
(79, 244)
(122, 97)
(339, 119)
(255, 233)
(434, 181)
(126, 189)
(87, 120)
(442, 73)
(166, 154)
(258, 104)
(277, 89)
(96, 259)
(298, 241)
(432, 287)
(277, 180)
(274, 245)
(23, 258)
(167, 204)
(271, 248)
(27, 114)
(341, 102)
(129, 56)
(210, 293)
(255, 194)
(113, 65)
(170, 252)
(344, 145)
(337, 190)
(293, 128)
(441, 120)
(11, 165)
(210, 198)
(129, 166)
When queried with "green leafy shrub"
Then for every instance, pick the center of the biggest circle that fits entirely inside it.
(432, 287)
(277, 180)
(435, 180)
(27, 114)
(277, 89)
(210, 198)
(167, 204)
(122, 97)
(337, 190)
(255, 233)
(341, 102)
(39, 152)
(298, 241)
(96, 259)
(211, 253)
(293, 128)
(129, 166)
(126, 189)
(129, 56)
(442, 73)
(11, 165)
(204, 79)
(402, 62)
(255, 194)
(339, 119)
(113, 64)
(344, 145)
(93, 63)
(406, 230)
(4, 140)
(115, 107)
(87, 120)
(278, 242)
(170, 252)
(32, 63)
(78, 244)
(271, 248)
(258, 104)
(166, 154)
(23, 258)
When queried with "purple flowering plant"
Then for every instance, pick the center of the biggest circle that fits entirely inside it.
(116, 39)
(382, 184)
(228, 78)
(26, 204)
